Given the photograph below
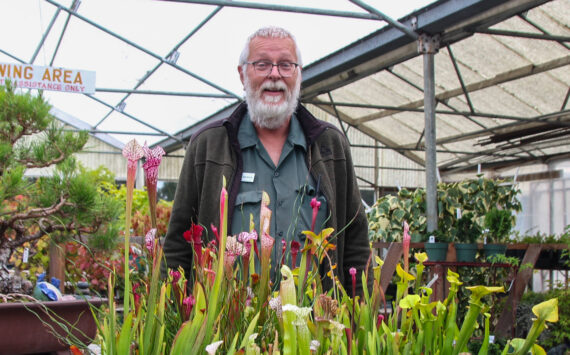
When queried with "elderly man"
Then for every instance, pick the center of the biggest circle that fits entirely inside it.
(271, 143)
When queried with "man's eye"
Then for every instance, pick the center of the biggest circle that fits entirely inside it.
(285, 65)
(262, 65)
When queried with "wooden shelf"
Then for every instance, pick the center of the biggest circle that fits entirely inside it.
(523, 275)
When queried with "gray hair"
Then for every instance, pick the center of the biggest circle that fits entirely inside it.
(269, 32)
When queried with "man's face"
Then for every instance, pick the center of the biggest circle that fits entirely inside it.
(271, 98)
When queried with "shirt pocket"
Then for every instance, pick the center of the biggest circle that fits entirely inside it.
(248, 202)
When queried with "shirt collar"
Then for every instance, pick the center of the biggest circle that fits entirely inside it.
(247, 136)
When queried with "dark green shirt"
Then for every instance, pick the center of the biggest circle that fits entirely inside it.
(289, 185)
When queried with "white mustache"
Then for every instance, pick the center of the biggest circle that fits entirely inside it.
(274, 85)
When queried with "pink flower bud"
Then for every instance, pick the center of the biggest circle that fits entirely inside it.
(187, 305)
(379, 320)
(175, 275)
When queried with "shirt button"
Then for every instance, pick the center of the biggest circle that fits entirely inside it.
(280, 234)
(276, 174)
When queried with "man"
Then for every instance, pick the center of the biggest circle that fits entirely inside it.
(271, 143)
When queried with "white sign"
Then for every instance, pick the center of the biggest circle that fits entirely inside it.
(26, 76)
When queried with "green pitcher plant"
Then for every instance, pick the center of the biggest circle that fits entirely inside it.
(229, 307)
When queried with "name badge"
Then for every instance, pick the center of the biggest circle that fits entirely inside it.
(247, 177)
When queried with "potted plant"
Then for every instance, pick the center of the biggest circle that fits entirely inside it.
(465, 235)
(498, 224)
(436, 247)
(62, 205)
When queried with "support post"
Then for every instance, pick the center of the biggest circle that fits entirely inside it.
(376, 174)
(428, 47)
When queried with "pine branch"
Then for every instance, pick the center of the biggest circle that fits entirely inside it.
(31, 163)
(39, 212)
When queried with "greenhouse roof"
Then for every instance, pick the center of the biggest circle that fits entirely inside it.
(165, 68)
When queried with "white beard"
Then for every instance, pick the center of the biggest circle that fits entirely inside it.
(267, 114)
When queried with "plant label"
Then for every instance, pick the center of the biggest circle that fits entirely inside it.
(25, 255)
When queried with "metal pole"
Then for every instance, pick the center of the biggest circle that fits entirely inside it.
(376, 174)
(428, 46)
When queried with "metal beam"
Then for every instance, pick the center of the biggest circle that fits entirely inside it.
(506, 163)
(129, 133)
(389, 46)
(157, 66)
(535, 25)
(501, 78)
(538, 120)
(387, 168)
(428, 47)
(393, 23)
(74, 7)
(165, 93)
(273, 7)
(344, 130)
(546, 37)
(143, 49)
(460, 78)
(453, 112)
(451, 167)
(171, 144)
(133, 118)
(446, 151)
(374, 134)
(46, 33)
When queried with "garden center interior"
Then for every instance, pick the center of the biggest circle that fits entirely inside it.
(495, 74)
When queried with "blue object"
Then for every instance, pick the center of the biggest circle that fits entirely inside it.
(55, 281)
(47, 291)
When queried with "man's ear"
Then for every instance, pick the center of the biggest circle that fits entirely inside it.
(241, 74)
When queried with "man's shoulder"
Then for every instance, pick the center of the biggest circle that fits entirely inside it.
(219, 128)
(316, 129)
(214, 128)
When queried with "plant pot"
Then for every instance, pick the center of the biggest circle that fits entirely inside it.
(436, 251)
(25, 326)
(494, 249)
(466, 252)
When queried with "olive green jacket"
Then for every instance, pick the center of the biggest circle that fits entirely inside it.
(214, 153)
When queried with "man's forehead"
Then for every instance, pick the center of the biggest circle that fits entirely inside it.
(270, 45)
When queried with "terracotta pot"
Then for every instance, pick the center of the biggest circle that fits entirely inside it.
(25, 326)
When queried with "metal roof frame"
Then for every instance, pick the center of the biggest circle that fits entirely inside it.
(454, 21)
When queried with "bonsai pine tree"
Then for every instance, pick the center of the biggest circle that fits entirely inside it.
(64, 201)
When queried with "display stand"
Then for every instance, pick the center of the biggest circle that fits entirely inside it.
(523, 273)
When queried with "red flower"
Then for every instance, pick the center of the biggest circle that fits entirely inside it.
(315, 205)
(75, 350)
(295, 246)
(194, 237)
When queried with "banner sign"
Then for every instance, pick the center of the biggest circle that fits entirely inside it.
(26, 76)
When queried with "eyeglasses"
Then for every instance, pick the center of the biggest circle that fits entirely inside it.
(264, 67)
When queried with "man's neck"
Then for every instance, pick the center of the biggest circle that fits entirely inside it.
(273, 140)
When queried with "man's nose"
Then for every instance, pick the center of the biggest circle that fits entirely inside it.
(274, 73)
